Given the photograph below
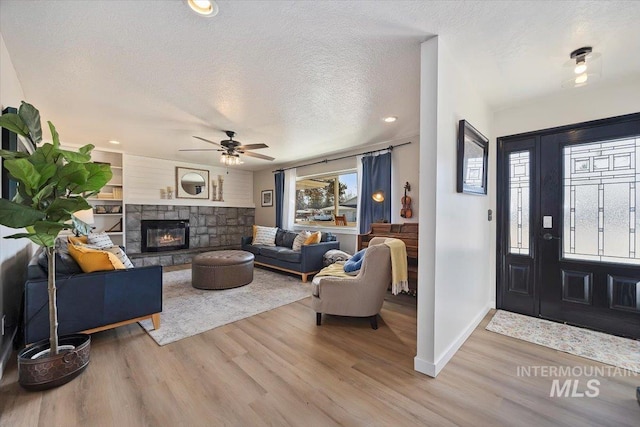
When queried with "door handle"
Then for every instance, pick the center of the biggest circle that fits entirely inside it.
(549, 236)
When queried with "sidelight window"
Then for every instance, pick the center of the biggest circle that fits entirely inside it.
(519, 203)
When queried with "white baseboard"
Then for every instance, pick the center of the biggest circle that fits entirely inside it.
(433, 369)
(5, 352)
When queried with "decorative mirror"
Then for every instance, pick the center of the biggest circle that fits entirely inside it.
(192, 183)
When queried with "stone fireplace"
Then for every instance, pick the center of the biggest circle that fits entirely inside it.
(159, 235)
(210, 228)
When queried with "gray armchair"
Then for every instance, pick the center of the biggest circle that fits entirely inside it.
(361, 296)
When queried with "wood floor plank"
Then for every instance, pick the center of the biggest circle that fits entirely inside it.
(278, 368)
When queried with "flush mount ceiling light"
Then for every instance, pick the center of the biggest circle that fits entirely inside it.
(207, 8)
(583, 67)
(390, 119)
(113, 141)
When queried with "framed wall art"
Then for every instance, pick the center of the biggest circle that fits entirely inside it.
(267, 198)
(473, 156)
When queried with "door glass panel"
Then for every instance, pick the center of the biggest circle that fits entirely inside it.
(599, 218)
(519, 181)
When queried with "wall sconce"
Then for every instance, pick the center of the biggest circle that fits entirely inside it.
(378, 196)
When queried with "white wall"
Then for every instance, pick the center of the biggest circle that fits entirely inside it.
(405, 163)
(569, 106)
(146, 178)
(461, 274)
(14, 254)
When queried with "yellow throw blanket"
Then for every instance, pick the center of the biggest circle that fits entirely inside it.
(336, 270)
(399, 274)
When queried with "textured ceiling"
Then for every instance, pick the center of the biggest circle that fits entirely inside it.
(306, 78)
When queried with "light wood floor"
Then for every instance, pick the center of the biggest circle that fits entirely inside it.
(279, 368)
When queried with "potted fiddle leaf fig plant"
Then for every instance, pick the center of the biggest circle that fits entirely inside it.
(52, 184)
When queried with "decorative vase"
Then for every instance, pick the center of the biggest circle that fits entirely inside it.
(37, 370)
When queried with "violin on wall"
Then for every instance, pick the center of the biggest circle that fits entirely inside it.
(406, 212)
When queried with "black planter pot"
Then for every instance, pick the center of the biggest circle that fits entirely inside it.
(45, 372)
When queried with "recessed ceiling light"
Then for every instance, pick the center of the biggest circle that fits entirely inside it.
(390, 119)
(207, 8)
(113, 141)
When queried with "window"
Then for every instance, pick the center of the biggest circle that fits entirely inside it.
(319, 199)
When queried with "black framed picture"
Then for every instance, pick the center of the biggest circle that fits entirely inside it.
(267, 198)
(11, 142)
(473, 156)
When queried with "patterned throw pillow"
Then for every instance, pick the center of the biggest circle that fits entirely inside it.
(299, 240)
(99, 240)
(264, 235)
(117, 251)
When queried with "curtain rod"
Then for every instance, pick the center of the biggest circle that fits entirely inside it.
(389, 148)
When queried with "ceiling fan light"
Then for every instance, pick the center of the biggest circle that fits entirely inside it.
(207, 8)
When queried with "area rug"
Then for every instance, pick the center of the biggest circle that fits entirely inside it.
(187, 311)
(609, 349)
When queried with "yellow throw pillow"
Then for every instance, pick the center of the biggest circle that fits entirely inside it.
(91, 260)
(313, 239)
(80, 240)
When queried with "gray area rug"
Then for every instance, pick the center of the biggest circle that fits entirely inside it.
(621, 352)
(187, 311)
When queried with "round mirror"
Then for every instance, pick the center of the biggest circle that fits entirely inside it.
(192, 183)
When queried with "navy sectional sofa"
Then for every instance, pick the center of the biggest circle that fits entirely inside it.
(90, 302)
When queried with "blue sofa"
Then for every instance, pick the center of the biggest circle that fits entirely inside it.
(90, 302)
(305, 262)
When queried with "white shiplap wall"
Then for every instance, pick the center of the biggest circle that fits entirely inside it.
(146, 177)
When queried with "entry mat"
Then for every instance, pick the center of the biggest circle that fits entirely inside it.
(609, 349)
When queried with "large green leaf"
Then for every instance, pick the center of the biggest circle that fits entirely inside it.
(44, 193)
(23, 171)
(44, 154)
(99, 175)
(6, 154)
(72, 173)
(17, 216)
(62, 208)
(86, 149)
(47, 171)
(72, 156)
(54, 136)
(37, 238)
(14, 123)
(31, 117)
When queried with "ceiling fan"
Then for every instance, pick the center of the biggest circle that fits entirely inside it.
(231, 149)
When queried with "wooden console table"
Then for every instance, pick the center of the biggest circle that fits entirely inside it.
(408, 233)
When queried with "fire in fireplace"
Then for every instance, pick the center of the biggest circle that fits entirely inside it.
(160, 235)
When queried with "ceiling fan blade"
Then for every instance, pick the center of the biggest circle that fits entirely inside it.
(206, 140)
(251, 146)
(201, 149)
(258, 156)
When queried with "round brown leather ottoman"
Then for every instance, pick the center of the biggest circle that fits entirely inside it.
(222, 269)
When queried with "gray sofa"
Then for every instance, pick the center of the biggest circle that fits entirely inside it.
(305, 262)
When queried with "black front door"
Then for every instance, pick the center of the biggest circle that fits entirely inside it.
(567, 246)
